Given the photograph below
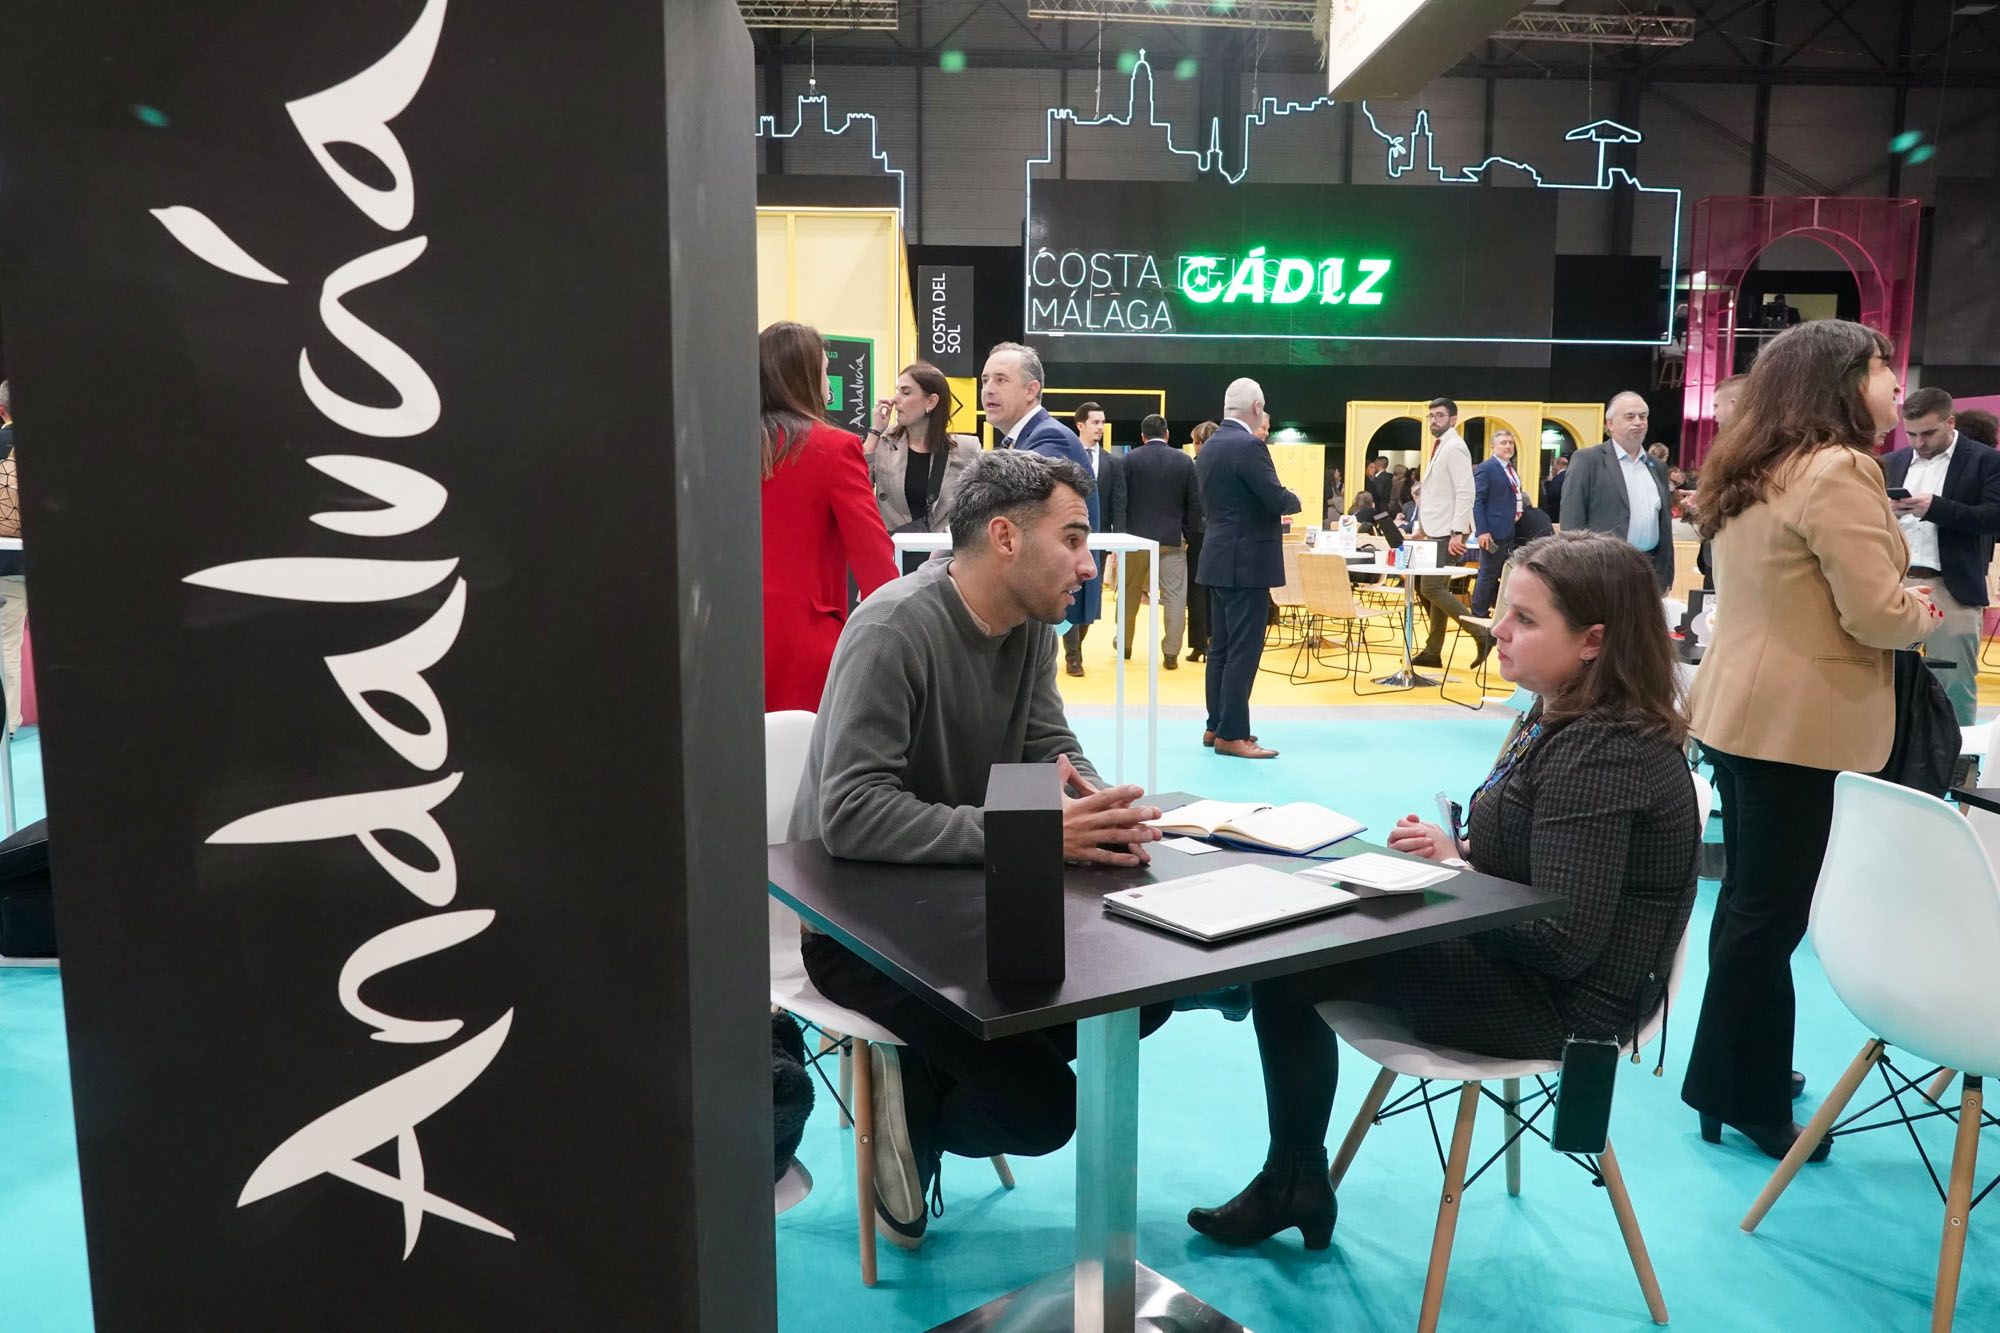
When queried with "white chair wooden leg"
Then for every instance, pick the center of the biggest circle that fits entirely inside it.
(1958, 1203)
(1447, 1223)
(1628, 1225)
(1939, 1085)
(864, 1154)
(1370, 1106)
(1004, 1171)
(1815, 1130)
(1511, 1094)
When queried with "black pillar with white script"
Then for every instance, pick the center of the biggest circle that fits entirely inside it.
(387, 413)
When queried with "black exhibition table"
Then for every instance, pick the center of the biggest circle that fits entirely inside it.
(1983, 798)
(925, 927)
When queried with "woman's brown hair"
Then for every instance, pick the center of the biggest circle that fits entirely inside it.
(791, 377)
(1199, 435)
(937, 426)
(1597, 579)
(1802, 393)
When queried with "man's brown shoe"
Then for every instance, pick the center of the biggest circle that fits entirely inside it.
(1208, 739)
(1244, 749)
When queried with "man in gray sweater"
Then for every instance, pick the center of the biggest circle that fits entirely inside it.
(937, 677)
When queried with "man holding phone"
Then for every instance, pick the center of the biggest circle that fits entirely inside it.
(1946, 497)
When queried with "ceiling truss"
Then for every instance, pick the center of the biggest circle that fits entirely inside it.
(1599, 29)
(1284, 15)
(837, 15)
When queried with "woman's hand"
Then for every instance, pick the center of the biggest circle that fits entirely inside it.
(882, 410)
(1413, 837)
(1924, 595)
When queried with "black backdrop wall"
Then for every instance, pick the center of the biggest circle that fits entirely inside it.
(392, 609)
(1956, 310)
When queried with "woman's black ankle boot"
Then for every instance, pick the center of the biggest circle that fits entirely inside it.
(1291, 1191)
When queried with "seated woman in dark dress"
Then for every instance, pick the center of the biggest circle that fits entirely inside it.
(1590, 799)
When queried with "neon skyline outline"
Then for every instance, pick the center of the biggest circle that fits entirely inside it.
(1400, 151)
(767, 128)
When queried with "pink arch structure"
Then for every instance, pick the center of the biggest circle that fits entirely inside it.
(1876, 238)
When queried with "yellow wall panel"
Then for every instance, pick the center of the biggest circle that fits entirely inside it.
(1302, 470)
(1584, 421)
(841, 270)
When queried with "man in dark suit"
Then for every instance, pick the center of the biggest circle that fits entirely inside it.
(1242, 559)
(1107, 470)
(1162, 504)
(1010, 392)
(1949, 521)
(1378, 484)
(1497, 504)
(1552, 489)
(1617, 487)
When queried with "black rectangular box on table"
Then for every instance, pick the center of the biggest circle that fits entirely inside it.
(1024, 873)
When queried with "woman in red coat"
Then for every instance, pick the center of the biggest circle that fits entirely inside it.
(820, 520)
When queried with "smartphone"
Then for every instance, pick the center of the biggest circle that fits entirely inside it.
(1583, 1098)
(1899, 492)
(1448, 819)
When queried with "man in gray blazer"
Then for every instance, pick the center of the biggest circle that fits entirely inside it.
(1616, 487)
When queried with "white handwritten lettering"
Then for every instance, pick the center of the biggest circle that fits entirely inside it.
(419, 409)
(357, 113)
(331, 1144)
(361, 815)
(394, 947)
(413, 499)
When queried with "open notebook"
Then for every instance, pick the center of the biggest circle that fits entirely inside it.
(1297, 828)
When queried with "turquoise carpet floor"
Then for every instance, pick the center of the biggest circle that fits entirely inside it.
(1852, 1246)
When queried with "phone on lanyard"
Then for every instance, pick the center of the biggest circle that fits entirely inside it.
(1448, 819)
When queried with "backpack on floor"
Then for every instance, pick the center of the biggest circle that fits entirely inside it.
(791, 1088)
(27, 904)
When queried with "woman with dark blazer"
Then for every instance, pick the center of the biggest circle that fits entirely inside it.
(820, 519)
(1797, 684)
(915, 464)
(1591, 799)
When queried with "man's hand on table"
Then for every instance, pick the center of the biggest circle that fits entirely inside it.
(1097, 823)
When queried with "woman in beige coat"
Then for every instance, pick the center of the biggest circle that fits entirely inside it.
(1796, 686)
(916, 464)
